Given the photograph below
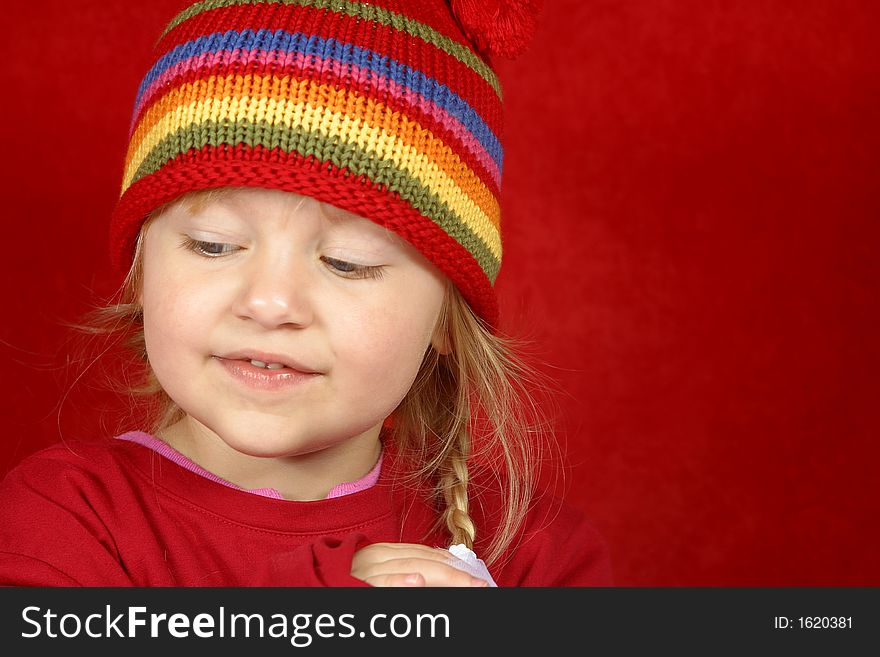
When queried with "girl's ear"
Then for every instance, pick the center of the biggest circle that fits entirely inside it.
(440, 342)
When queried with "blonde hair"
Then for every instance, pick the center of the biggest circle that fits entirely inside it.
(485, 378)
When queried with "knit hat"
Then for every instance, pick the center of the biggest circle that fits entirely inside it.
(387, 110)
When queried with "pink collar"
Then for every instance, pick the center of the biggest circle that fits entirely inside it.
(163, 448)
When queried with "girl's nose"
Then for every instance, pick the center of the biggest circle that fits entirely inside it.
(275, 291)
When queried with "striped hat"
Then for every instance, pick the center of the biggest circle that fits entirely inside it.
(383, 109)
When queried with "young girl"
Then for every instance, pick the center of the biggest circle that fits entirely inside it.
(310, 230)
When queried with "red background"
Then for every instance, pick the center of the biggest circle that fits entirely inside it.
(691, 229)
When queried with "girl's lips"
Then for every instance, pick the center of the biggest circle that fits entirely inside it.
(263, 379)
(266, 357)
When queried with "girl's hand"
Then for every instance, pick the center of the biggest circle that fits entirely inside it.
(409, 564)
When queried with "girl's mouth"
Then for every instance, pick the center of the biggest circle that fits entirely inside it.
(268, 366)
(264, 376)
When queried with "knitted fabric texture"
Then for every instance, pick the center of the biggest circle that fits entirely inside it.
(381, 109)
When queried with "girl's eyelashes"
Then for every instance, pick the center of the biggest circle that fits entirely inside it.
(356, 271)
(346, 269)
(207, 249)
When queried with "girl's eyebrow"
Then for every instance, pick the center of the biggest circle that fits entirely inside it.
(211, 213)
(199, 201)
(338, 216)
(212, 218)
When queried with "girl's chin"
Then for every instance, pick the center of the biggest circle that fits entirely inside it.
(255, 443)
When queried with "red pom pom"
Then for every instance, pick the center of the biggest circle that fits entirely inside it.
(498, 27)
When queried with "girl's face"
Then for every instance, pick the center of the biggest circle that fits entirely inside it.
(262, 272)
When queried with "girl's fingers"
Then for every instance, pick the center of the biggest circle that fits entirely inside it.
(434, 573)
(396, 579)
(409, 564)
(380, 552)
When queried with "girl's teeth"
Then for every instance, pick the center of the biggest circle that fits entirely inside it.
(268, 366)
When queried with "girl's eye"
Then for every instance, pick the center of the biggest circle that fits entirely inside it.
(346, 269)
(208, 249)
(354, 271)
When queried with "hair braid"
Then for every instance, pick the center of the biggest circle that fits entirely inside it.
(454, 485)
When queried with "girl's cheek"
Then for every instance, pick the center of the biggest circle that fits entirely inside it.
(367, 335)
(176, 306)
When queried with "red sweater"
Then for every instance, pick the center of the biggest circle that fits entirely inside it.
(119, 514)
